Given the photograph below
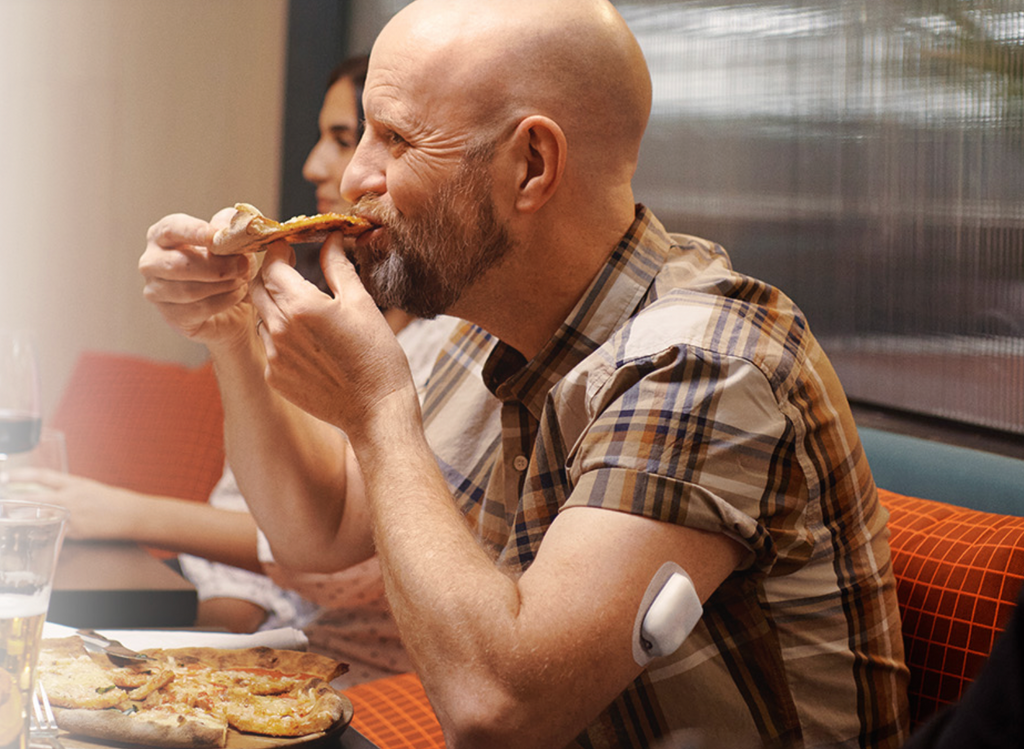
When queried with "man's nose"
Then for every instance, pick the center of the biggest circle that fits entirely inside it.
(363, 174)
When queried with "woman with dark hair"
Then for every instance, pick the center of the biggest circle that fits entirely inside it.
(340, 126)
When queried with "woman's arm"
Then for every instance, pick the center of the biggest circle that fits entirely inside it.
(104, 512)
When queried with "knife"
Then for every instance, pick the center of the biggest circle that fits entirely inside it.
(96, 642)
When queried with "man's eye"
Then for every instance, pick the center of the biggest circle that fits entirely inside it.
(395, 140)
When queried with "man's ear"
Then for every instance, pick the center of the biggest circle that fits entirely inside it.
(540, 150)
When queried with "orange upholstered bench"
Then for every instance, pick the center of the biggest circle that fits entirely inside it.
(152, 426)
(394, 713)
(958, 573)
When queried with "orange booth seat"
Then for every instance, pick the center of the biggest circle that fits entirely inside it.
(958, 574)
(394, 713)
(150, 426)
(157, 427)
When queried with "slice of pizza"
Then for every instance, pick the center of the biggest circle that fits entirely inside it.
(304, 708)
(251, 231)
(93, 697)
(74, 679)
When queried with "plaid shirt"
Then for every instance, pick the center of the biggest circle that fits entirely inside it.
(683, 391)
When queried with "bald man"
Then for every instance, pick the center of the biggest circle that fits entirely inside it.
(666, 424)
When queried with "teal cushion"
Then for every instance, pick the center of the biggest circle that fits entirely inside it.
(947, 473)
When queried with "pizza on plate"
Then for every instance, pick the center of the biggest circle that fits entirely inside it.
(251, 231)
(191, 697)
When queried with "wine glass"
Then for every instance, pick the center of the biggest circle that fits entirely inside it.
(20, 409)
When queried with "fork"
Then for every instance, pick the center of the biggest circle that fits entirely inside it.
(44, 726)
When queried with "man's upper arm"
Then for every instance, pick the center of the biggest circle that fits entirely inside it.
(586, 585)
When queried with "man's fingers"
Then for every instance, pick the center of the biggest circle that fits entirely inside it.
(279, 251)
(222, 218)
(188, 317)
(266, 309)
(271, 290)
(43, 476)
(261, 299)
(277, 276)
(180, 229)
(167, 289)
(338, 270)
(186, 265)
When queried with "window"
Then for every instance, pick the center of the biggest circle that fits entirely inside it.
(868, 158)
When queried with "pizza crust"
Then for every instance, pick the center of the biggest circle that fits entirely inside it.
(251, 231)
(151, 728)
(285, 661)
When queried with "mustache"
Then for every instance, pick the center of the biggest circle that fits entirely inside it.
(373, 209)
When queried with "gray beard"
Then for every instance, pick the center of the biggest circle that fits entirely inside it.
(432, 260)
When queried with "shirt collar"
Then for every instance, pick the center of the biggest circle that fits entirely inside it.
(606, 305)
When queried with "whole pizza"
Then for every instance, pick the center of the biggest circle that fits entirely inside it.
(191, 697)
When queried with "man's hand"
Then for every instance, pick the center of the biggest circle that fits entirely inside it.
(201, 295)
(334, 357)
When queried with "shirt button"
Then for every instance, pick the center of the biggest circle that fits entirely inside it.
(520, 462)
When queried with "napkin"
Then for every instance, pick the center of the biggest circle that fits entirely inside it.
(283, 638)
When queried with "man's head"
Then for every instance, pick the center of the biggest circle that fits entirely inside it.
(491, 126)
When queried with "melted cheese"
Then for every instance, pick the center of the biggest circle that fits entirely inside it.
(78, 681)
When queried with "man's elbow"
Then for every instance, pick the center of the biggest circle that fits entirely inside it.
(476, 718)
(481, 732)
(490, 718)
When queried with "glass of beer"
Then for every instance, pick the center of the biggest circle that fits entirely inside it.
(30, 539)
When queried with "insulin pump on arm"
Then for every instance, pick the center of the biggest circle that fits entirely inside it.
(669, 611)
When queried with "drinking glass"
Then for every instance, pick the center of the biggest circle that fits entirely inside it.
(30, 539)
(20, 411)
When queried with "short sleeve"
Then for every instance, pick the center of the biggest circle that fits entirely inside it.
(690, 437)
(215, 580)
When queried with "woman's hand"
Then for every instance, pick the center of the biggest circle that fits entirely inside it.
(98, 511)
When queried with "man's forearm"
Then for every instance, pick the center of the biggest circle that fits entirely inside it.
(457, 612)
(290, 466)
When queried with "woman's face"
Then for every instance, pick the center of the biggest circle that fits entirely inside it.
(339, 134)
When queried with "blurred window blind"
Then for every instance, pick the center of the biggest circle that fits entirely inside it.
(868, 158)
